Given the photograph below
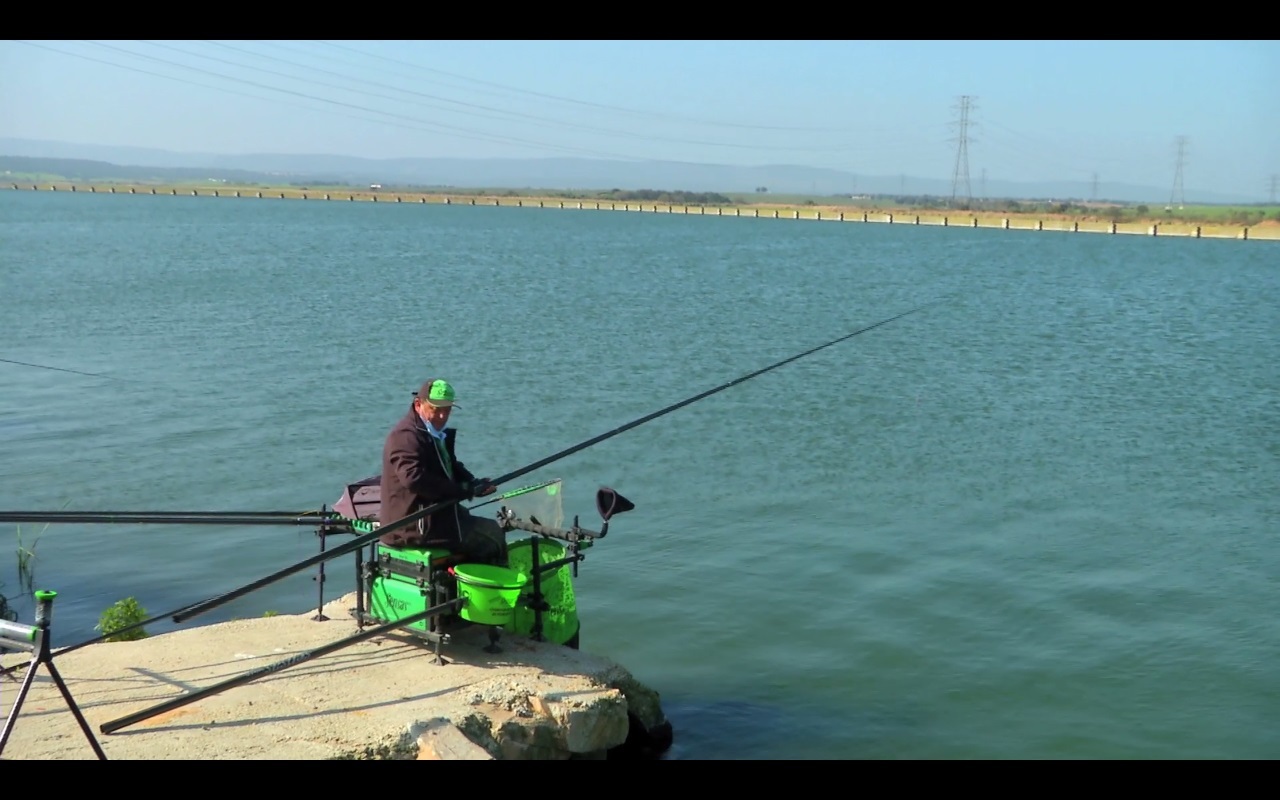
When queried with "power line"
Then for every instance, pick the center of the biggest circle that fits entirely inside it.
(430, 124)
(1045, 148)
(532, 117)
(366, 110)
(1176, 197)
(960, 177)
(365, 62)
(172, 78)
(434, 127)
(587, 103)
(437, 125)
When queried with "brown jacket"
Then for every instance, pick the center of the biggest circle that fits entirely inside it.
(414, 476)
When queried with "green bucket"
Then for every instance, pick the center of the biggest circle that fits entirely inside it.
(490, 592)
(560, 620)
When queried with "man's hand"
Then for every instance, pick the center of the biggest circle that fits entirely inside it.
(482, 487)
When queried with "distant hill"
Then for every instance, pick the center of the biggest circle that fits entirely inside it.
(103, 162)
(78, 169)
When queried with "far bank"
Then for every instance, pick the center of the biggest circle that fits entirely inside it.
(1268, 230)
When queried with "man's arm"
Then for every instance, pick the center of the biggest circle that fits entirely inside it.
(462, 472)
(472, 486)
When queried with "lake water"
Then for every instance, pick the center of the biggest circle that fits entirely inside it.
(1035, 520)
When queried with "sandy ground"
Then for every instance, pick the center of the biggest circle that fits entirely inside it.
(382, 692)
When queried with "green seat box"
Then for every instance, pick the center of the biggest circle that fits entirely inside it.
(402, 584)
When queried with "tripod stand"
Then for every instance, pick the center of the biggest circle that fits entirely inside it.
(36, 639)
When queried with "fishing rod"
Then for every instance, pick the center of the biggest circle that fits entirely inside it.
(186, 612)
(299, 658)
(222, 520)
(330, 515)
(214, 517)
(173, 517)
(360, 541)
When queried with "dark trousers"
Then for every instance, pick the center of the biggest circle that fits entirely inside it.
(483, 539)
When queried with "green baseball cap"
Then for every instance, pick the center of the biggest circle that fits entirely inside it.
(436, 392)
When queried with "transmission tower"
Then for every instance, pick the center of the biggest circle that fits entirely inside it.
(983, 190)
(1093, 195)
(1177, 198)
(960, 178)
(1275, 179)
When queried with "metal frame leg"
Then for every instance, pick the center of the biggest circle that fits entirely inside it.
(42, 655)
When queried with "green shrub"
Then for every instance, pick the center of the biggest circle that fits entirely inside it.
(123, 614)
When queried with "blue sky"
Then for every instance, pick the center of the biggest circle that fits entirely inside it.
(1039, 110)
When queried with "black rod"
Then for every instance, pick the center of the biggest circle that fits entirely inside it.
(291, 661)
(167, 518)
(362, 540)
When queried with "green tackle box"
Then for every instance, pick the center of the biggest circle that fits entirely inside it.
(403, 584)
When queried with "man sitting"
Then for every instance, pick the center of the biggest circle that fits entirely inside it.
(420, 469)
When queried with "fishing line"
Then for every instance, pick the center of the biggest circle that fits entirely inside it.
(63, 369)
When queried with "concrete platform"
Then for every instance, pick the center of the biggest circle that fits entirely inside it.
(381, 698)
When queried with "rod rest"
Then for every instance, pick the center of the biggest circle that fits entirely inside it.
(572, 535)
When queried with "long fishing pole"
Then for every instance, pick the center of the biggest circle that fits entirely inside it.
(168, 518)
(504, 496)
(176, 518)
(214, 517)
(360, 541)
(293, 660)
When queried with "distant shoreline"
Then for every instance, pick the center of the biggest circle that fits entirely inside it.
(1040, 221)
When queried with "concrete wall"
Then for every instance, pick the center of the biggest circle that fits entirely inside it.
(1180, 229)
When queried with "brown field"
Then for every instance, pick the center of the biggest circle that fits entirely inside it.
(1266, 230)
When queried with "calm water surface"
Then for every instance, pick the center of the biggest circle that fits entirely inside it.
(1036, 520)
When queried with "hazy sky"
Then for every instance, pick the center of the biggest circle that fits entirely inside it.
(1040, 110)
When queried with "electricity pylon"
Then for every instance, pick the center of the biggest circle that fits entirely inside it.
(960, 177)
(1177, 198)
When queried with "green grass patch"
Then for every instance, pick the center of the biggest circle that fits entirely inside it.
(117, 622)
(1236, 215)
(33, 177)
